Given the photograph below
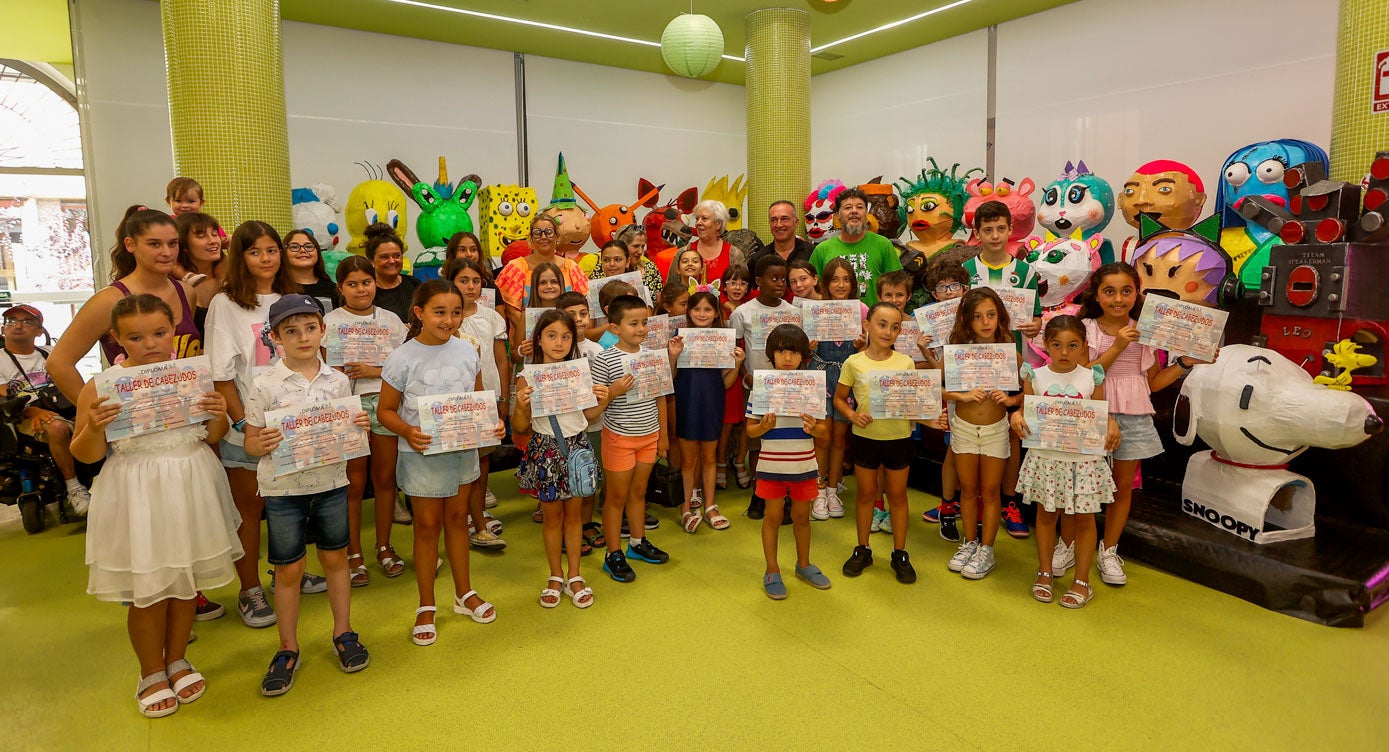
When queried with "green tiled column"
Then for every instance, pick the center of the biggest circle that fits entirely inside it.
(1356, 130)
(227, 106)
(778, 91)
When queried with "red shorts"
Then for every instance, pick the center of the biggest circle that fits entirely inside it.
(798, 490)
(622, 453)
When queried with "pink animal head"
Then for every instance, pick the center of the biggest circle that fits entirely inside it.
(1015, 197)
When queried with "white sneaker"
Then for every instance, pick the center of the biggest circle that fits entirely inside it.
(489, 499)
(886, 524)
(980, 564)
(1063, 557)
(820, 508)
(1111, 566)
(80, 499)
(963, 555)
(836, 506)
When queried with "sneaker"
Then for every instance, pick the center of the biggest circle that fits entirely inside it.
(310, 584)
(486, 539)
(1063, 557)
(835, 504)
(820, 508)
(489, 499)
(962, 555)
(886, 525)
(1111, 566)
(79, 499)
(757, 508)
(980, 564)
(615, 564)
(902, 565)
(932, 516)
(206, 610)
(879, 517)
(812, 574)
(255, 610)
(861, 559)
(402, 515)
(646, 551)
(651, 523)
(949, 514)
(1013, 522)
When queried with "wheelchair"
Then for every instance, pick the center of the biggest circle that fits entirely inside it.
(28, 476)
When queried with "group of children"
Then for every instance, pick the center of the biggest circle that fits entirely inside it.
(457, 342)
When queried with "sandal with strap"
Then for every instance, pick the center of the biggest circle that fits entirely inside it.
(391, 563)
(690, 521)
(280, 676)
(715, 518)
(491, 524)
(740, 469)
(352, 655)
(553, 594)
(189, 678)
(583, 597)
(460, 606)
(148, 702)
(429, 629)
(1072, 599)
(538, 516)
(1042, 591)
(360, 576)
(594, 532)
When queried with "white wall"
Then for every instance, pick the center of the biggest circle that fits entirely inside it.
(885, 116)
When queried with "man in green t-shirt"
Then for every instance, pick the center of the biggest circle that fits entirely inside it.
(869, 254)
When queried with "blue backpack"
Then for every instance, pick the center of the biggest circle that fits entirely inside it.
(583, 470)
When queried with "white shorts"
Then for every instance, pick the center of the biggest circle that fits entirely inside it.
(989, 441)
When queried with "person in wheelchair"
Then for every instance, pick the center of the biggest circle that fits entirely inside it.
(47, 419)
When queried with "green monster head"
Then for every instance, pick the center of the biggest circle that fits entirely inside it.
(934, 181)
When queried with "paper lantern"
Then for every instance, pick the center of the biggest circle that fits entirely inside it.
(692, 45)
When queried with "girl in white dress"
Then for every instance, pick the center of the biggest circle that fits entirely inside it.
(162, 525)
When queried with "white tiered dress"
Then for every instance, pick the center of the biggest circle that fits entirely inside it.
(162, 523)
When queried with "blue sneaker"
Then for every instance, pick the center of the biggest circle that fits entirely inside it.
(615, 564)
(646, 551)
(1013, 522)
(932, 516)
(774, 587)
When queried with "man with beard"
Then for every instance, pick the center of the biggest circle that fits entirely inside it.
(869, 254)
(781, 216)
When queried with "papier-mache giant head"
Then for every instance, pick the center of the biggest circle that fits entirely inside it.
(1256, 407)
(731, 196)
(505, 212)
(935, 201)
(1170, 190)
(1257, 170)
(443, 205)
(885, 213)
(1188, 265)
(1017, 197)
(607, 220)
(668, 225)
(316, 211)
(564, 207)
(819, 211)
(1078, 199)
(372, 201)
(1063, 266)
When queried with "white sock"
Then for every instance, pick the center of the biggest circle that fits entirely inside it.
(634, 541)
(74, 485)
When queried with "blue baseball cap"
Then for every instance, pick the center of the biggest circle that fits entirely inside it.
(293, 305)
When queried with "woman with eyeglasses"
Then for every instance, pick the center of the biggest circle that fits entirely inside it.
(386, 252)
(513, 282)
(305, 261)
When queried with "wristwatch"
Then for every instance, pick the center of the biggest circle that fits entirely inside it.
(239, 425)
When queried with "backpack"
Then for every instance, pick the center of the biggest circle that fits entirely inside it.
(583, 470)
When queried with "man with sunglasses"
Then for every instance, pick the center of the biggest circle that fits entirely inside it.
(23, 370)
(869, 254)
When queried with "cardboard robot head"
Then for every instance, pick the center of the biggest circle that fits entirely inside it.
(819, 211)
(1168, 189)
(372, 201)
(564, 207)
(1016, 197)
(1188, 265)
(1256, 407)
(608, 220)
(731, 197)
(668, 225)
(443, 206)
(1257, 170)
(1063, 266)
(885, 213)
(316, 210)
(506, 212)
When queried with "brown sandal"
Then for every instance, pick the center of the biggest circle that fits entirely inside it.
(360, 576)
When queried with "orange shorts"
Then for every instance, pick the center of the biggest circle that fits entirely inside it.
(797, 490)
(622, 453)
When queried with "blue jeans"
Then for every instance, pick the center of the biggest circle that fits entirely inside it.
(295, 521)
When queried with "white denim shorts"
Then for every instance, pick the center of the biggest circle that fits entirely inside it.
(989, 441)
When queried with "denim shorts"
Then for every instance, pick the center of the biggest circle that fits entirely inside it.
(369, 404)
(834, 414)
(1139, 437)
(295, 521)
(234, 456)
(435, 476)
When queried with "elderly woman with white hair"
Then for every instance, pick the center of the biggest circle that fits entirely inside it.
(710, 219)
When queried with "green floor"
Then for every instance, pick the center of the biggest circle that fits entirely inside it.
(693, 656)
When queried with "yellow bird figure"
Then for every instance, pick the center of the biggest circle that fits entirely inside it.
(1346, 356)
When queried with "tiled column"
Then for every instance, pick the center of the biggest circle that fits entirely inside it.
(778, 96)
(1357, 130)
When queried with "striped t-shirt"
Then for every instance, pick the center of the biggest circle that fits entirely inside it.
(788, 452)
(626, 415)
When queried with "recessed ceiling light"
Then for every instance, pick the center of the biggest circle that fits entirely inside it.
(887, 26)
(541, 25)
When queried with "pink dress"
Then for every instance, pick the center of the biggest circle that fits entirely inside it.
(1126, 382)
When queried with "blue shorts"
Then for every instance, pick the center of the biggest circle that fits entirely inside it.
(435, 476)
(1139, 437)
(293, 522)
(834, 414)
(234, 456)
(369, 404)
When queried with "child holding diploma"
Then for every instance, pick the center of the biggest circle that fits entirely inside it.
(161, 524)
(308, 505)
(837, 282)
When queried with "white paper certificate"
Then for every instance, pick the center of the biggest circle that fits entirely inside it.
(156, 397)
(650, 371)
(906, 342)
(488, 299)
(463, 420)
(1181, 328)
(1020, 302)
(762, 323)
(788, 393)
(913, 395)
(658, 332)
(1066, 424)
(938, 319)
(317, 434)
(989, 366)
(831, 320)
(595, 286)
(707, 348)
(533, 315)
(366, 342)
(560, 387)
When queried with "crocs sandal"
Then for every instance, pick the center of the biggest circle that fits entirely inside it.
(360, 576)
(1072, 599)
(429, 629)
(583, 597)
(715, 518)
(280, 677)
(148, 702)
(352, 656)
(188, 679)
(549, 597)
(391, 563)
(594, 532)
(460, 606)
(1042, 592)
(690, 521)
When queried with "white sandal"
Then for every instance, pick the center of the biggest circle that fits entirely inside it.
(491, 524)
(157, 697)
(578, 595)
(431, 628)
(185, 681)
(551, 593)
(460, 607)
(359, 570)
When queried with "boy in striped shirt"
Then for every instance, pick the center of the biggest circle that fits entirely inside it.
(786, 467)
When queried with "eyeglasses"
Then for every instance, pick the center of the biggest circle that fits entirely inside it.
(542, 233)
(301, 247)
(949, 287)
(821, 217)
(17, 321)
